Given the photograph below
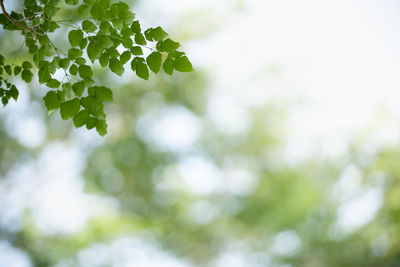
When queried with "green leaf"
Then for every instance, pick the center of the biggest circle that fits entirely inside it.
(71, 2)
(81, 118)
(104, 60)
(183, 64)
(97, 11)
(61, 96)
(170, 46)
(78, 88)
(44, 74)
(142, 70)
(27, 75)
(73, 69)
(126, 32)
(74, 53)
(168, 66)
(125, 56)
(101, 127)
(126, 16)
(17, 70)
(176, 54)
(105, 3)
(139, 39)
(91, 123)
(80, 61)
(127, 42)
(2, 59)
(83, 43)
(105, 27)
(88, 26)
(148, 34)
(83, 11)
(14, 92)
(94, 51)
(64, 63)
(91, 103)
(116, 66)
(53, 83)
(51, 100)
(69, 108)
(27, 65)
(105, 41)
(67, 89)
(89, 2)
(85, 71)
(136, 27)
(101, 93)
(114, 11)
(158, 34)
(7, 68)
(136, 50)
(75, 37)
(154, 61)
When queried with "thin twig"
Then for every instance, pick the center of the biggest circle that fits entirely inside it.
(15, 22)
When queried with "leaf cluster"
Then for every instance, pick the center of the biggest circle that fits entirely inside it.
(104, 29)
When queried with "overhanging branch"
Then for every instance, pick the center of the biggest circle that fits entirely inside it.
(15, 22)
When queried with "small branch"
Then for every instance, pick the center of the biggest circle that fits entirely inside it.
(15, 22)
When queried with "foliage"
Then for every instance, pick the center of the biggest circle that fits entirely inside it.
(106, 32)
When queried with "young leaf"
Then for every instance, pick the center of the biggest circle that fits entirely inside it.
(183, 64)
(116, 66)
(168, 66)
(136, 27)
(85, 71)
(158, 34)
(75, 37)
(104, 60)
(17, 70)
(26, 75)
(14, 92)
(101, 93)
(81, 118)
(88, 26)
(73, 69)
(91, 104)
(154, 61)
(83, 11)
(44, 74)
(101, 127)
(51, 100)
(142, 71)
(27, 65)
(53, 83)
(97, 11)
(94, 51)
(80, 61)
(125, 56)
(64, 63)
(78, 88)
(170, 45)
(74, 53)
(136, 50)
(69, 108)
(139, 39)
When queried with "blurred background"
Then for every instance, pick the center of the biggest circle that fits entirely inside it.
(281, 149)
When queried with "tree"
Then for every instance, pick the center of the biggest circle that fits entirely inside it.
(101, 31)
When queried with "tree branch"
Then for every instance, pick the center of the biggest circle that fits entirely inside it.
(15, 22)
